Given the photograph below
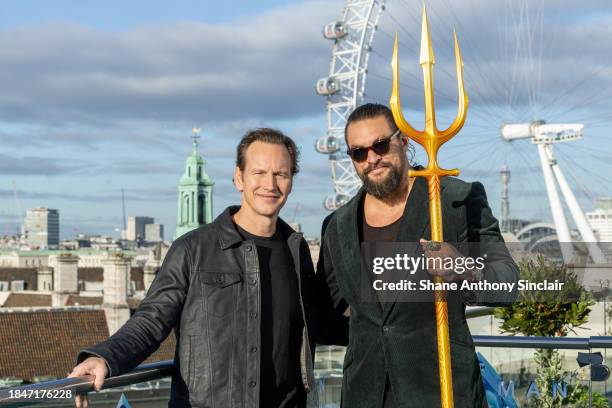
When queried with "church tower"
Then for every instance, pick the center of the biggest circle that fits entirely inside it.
(194, 193)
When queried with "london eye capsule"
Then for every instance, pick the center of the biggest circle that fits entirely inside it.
(327, 144)
(334, 30)
(334, 201)
(327, 86)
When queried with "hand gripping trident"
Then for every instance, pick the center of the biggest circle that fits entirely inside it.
(431, 139)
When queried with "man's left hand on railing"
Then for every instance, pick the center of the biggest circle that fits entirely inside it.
(95, 366)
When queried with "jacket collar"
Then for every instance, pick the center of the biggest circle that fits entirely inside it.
(229, 236)
(414, 219)
(414, 224)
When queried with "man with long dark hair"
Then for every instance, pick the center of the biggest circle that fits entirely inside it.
(391, 359)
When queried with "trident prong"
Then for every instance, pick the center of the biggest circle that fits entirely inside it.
(395, 102)
(431, 139)
(462, 107)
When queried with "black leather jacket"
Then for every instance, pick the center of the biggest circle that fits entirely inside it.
(208, 290)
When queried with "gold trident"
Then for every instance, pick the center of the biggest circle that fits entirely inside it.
(431, 139)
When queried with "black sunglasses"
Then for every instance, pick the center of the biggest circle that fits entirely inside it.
(380, 147)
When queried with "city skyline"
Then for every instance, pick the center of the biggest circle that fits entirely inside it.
(101, 97)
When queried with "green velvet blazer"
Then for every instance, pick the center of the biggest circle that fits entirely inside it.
(398, 338)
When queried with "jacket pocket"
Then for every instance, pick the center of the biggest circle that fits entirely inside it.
(185, 360)
(220, 292)
(195, 371)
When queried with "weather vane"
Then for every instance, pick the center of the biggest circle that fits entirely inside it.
(195, 136)
(431, 138)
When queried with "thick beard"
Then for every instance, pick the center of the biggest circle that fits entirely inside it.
(383, 188)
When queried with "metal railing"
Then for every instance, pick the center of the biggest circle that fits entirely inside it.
(40, 392)
(565, 343)
(162, 369)
(478, 311)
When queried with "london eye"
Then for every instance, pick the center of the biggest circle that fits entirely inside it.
(526, 77)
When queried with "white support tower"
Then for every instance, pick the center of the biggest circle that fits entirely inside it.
(545, 136)
(505, 199)
(344, 89)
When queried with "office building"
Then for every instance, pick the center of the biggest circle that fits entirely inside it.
(136, 227)
(154, 232)
(600, 219)
(42, 228)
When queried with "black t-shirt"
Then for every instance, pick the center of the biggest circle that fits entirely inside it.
(281, 324)
(387, 233)
(368, 233)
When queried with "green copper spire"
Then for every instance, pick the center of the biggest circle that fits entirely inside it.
(194, 192)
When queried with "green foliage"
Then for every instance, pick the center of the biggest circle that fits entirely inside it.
(579, 398)
(549, 371)
(552, 314)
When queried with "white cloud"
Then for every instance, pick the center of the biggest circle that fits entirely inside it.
(264, 66)
(110, 96)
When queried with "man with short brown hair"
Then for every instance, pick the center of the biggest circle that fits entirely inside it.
(239, 293)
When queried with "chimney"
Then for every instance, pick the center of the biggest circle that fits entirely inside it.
(64, 279)
(116, 276)
(44, 278)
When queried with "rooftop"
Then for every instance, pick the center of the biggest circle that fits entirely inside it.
(46, 343)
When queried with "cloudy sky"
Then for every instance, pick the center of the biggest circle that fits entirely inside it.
(100, 96)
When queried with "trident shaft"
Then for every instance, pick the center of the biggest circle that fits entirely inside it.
(431, 139)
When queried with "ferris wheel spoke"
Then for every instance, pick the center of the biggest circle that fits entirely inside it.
(528, 164)
(593, 175)
(514, 83)
(486, 152)
(456, 151)
(401, 27)
(579, 84)
(480, 99)
(586, 101)
(488, 76)
(603, 156)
